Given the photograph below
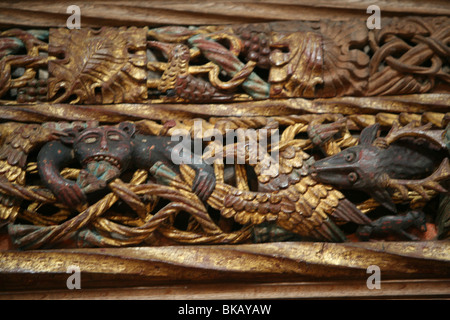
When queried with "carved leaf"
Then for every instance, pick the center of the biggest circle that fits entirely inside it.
(97, 66)
(297, 72)
(345, 68)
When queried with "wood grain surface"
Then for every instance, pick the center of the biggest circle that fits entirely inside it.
(47, 13)
(239, 264)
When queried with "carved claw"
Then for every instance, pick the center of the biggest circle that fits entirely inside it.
(413, 130)
(394, 225)
(420, 186)
(381, 143)
(203, 184)
(320, 133)
(71, 195)
(89, 183)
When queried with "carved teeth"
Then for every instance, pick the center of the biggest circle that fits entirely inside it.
(111, 160)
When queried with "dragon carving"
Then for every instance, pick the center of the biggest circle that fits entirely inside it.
(409, 161)
(298, 194)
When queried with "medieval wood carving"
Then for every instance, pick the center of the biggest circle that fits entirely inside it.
(354, 124)
(105, 66)
(225, 63)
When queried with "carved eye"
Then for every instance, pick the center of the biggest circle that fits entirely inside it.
(349, 157)
(90, 140)
(352, 177)
(114, 137)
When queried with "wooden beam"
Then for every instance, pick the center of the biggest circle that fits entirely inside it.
(44, 13)
(406, 289)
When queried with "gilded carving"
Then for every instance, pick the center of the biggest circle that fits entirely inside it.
(88, 117)
(409, 56)
(83, 173)
(297, 72)
(97, 66)
(176, 64)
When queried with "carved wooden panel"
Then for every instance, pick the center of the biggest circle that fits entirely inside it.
(357, 119)
(105, 66)
(227, 63)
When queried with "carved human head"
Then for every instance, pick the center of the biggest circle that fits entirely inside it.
(105, 151)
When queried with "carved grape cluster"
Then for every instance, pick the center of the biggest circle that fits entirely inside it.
(35, 90)
(256, 47)
(190, 88)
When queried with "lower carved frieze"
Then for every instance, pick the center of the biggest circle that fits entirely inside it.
(325, 177)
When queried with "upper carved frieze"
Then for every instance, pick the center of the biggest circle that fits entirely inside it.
(178, 64)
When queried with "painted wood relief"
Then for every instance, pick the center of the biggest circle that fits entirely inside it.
(301, 131)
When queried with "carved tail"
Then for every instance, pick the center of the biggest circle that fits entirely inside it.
(421, 186)
(429, 184)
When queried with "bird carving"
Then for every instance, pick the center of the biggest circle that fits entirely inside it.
(178, 82)
(288, 196)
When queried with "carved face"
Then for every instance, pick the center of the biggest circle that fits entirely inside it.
(103, 144)
(353, 168)
(104, 152)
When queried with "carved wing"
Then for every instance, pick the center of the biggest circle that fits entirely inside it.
(290, 197)
(18, 144)
(277, 174)
(13, 158)
(303, 209)
(12, 162)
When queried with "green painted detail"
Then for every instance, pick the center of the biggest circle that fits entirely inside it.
(162, 173)
(39, 34)
(231, 65)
